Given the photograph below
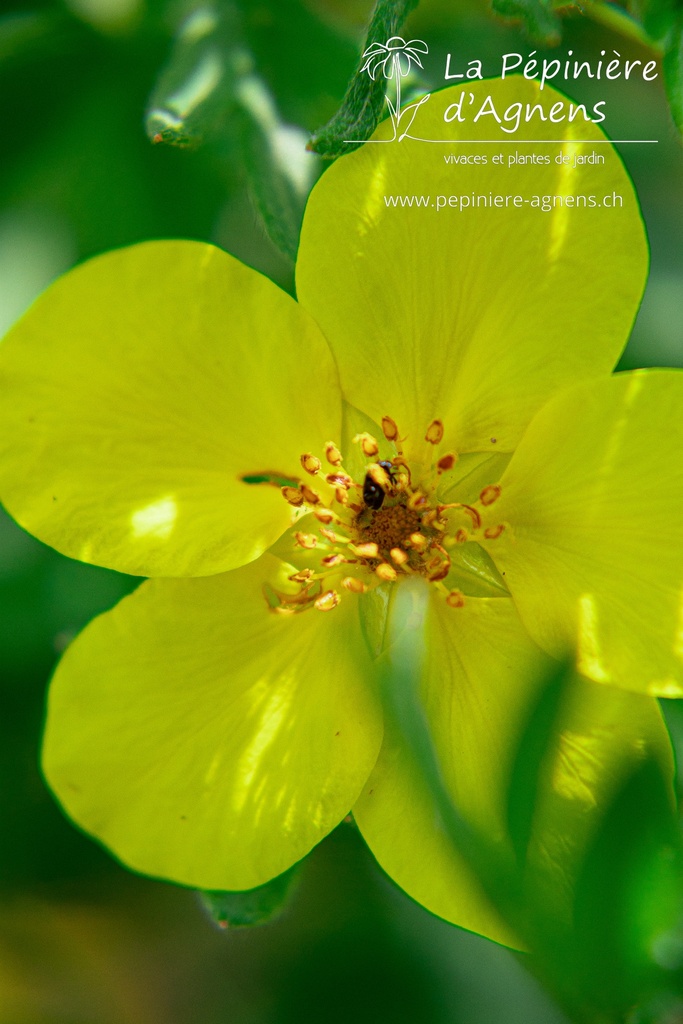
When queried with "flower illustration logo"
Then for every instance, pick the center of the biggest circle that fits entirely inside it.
(395, 59)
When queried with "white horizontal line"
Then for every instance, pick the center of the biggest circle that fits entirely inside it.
(518, 142)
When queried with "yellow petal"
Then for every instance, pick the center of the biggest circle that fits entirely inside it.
(207, 740)
(593, 550)
(480, 673)
(482, 677)
(137, 392)
(471, 316)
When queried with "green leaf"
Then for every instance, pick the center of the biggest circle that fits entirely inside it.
(538, 17)
(363, 103)
(210, 89)
(537, 743)
(672, 66)
(253, 906)
(270, 151)
(628, 894)
(660, 18)
(32, 34)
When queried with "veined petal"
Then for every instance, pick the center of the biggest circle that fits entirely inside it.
(481, 678)
(140, 389)
(481, 671)
(471, 316)
(593, 551)
(207, 740)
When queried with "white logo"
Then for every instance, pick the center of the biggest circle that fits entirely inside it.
(395, 59)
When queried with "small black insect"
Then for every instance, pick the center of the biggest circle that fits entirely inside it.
(373, 493)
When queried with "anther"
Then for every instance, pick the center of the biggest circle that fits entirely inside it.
(386, 572)
(367, 550)
(303, 576)
(490, 494)
(380, 476)
(416, 501)
(389, 428)
(418, 541)
(446, 462)
(341, 496)
(310, 497)
(331, 560)
(339, 480)
(461, 536)
(323, 515)
(368, 444)
(293, 495)
(434, 433)
(399, 556)
(330, 535)
(306, 540)
(327, 601)
(491, 532)
(311, 464)
(456, 599)
(332, 454)
(353, 584)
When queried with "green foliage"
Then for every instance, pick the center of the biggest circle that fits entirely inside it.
(672, 66)
(363, 103)
(535, 744)
(210, 87)
(538, 17)
(254, 906)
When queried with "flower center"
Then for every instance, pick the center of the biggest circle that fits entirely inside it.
(379, 528)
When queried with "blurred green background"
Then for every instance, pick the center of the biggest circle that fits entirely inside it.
(83, 941)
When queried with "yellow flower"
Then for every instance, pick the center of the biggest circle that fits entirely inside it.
(171, 413)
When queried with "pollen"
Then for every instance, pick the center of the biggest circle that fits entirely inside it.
(490, 494)
(332, 454)
(327, 601)
(311, 464)
(377, 528)
(368, 445)
(434, 433)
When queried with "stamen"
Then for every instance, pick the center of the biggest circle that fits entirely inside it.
(491, 532)
(310, 496)
(368, 444)
(416, 501)
(353, 584)
(327, 601)
(332, 454)
(405, 531)
(306, 540)
(368, 550)
(434, 433)
(293, 495)
(418, 541)
(311, 464)
(446, 462)
(389, 428)
(490, 494)
(301, 577)
(380, 476)
(331, 560)
(339, 480)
